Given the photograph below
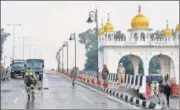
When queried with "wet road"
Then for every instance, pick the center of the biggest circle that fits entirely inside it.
(59, 95)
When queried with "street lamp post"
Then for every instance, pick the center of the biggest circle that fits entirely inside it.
(13, 49)
(90, 20)
(73, 37)
(63, 58)
(5, 60)
(66, 45)
(23, 38)
(59, 59)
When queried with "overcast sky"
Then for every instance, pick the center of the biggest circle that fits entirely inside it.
(47, 24)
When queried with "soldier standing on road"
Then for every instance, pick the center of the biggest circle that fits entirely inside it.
(30, 81)
(121, 75)
(73, 75)
(167, 89)
(105, 73)
(152, 89)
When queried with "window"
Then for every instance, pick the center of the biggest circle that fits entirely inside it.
(136, 36)
(109, 37)
(142, 36)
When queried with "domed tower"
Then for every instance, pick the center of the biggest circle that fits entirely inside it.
(108, 30)
(177, 31)
(167, 32)
(139, 27)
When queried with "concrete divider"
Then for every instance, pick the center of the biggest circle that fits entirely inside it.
(124, 96)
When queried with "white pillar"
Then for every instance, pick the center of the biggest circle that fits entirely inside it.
(135, 60)
(146, 66)
(177, 70)
(172, 69)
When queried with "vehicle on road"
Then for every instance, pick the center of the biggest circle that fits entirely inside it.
(18, 68)
(37, 65)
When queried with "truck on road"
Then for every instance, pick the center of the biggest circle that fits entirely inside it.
(18, 68)
(37, 65)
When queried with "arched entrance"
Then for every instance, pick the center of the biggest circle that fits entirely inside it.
(154, 65)
(162, 64)
(132, 63)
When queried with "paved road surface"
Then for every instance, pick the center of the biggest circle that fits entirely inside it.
(60, 95)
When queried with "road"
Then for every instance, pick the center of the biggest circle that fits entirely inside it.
(59, 95)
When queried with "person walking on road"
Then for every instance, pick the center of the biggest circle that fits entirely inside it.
(30, 80)
(105, 73)
(167, 88)
(73, 75)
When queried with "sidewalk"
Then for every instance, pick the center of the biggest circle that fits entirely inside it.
(174, 102)
(123, 90)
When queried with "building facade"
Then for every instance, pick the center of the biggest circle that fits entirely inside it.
(140, 47)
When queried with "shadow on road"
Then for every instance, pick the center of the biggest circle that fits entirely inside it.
(30, 104)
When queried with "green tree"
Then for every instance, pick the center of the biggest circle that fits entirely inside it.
(89, 39)
(4, 36)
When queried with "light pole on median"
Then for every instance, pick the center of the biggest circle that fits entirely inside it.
(13, 49)
(90, 20)
(62, 48)
(23, 38)
(73, 37)
(59, 60)
(66, 45)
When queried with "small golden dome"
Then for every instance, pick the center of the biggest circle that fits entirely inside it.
(140, 21)
(101, 31)
(177, 28)
(167, 32)
(108, 27)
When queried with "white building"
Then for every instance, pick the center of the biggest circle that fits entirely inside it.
(140, 47)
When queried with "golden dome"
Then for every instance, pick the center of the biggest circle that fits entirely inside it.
(167, 32)
(108, 27)
(140, 21)
(101, 31)
(177, 28)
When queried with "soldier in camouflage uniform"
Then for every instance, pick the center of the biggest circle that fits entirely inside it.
(73, 74)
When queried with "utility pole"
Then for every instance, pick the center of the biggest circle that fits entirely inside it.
(5, 60)
(30, 48)
(23, 38)
(13, 49)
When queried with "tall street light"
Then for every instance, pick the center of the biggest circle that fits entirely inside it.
(5, 60)
(30, 48)
(73, 37)
(66, 45)
(62, 48)
(23, 38)
(13, 49)
(90, 20)
(59, 59)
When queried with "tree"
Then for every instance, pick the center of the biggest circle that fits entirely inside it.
(88, 38)
(4, 36)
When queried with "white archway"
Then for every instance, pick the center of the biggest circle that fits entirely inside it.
(134, 61)
(167, 64)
